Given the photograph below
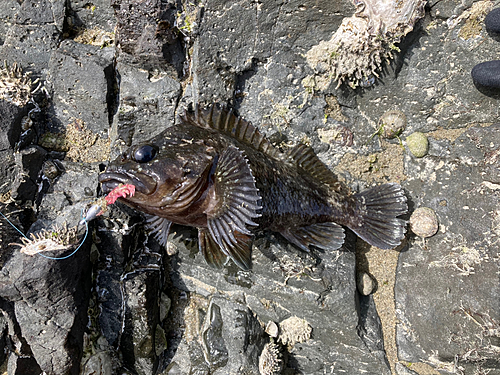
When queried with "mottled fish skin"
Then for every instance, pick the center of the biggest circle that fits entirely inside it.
(216, 172)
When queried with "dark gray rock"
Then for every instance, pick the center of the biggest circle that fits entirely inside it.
(285, 282)
(146, 108)
(454, 272)
(39, 12)
(40, 40)
(82, 77)
(84, 16)
(10, 129)
(8, 10)
(147, 35)
(49, 300)
(28, 165)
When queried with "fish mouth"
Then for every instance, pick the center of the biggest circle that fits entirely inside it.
(143, 183)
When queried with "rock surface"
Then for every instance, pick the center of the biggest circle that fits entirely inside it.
(112, 74)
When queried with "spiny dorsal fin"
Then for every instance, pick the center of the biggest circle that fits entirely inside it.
(306, 159)
(225, 121)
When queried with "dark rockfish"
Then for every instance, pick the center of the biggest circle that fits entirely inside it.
(216, 172)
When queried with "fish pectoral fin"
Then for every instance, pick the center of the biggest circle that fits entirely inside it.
(159, 227)
(326, 236)
(210, 249)
(238, 204)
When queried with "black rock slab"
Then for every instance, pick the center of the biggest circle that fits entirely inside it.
(447, 287)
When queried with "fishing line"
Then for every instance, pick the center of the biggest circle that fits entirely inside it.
(46, 256)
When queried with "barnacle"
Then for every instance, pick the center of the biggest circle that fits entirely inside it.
(15, 87)
(364, 41)
(270, 360)
(58, 238)
(294, 330)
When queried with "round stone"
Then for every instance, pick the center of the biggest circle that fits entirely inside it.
(366, 283)
(392, 123)
(424, 222)
(418, 144)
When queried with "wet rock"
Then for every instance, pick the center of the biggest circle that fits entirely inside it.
(453, 270)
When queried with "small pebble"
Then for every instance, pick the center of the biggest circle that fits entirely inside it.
(393, 123)
(418, 144)
(272, 329)
(365, 283)
(486, 78)
(492, 23)
(424, 222)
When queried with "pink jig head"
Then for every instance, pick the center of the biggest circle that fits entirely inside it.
(99, 207)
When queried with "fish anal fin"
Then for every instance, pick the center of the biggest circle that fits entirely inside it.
(305, 158)
(326, 236)
(211, 251)
(159, 227)
(227, 122)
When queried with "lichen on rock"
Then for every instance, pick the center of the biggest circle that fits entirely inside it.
(362, 43)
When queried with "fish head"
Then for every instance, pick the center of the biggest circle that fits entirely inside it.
(168, 174)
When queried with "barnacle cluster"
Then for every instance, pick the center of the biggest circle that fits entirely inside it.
(58, 238)
(15, 86)
(270, 360)
(362, 43)
(294, 330)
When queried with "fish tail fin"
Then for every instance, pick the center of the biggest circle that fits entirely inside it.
(379, 208)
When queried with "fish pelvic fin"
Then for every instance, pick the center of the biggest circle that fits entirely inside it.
(238, 204)
(326, 236)
(210, 250)
(379, 208)
(159, 227)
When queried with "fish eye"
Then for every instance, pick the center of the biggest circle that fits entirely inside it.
(145, 153)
